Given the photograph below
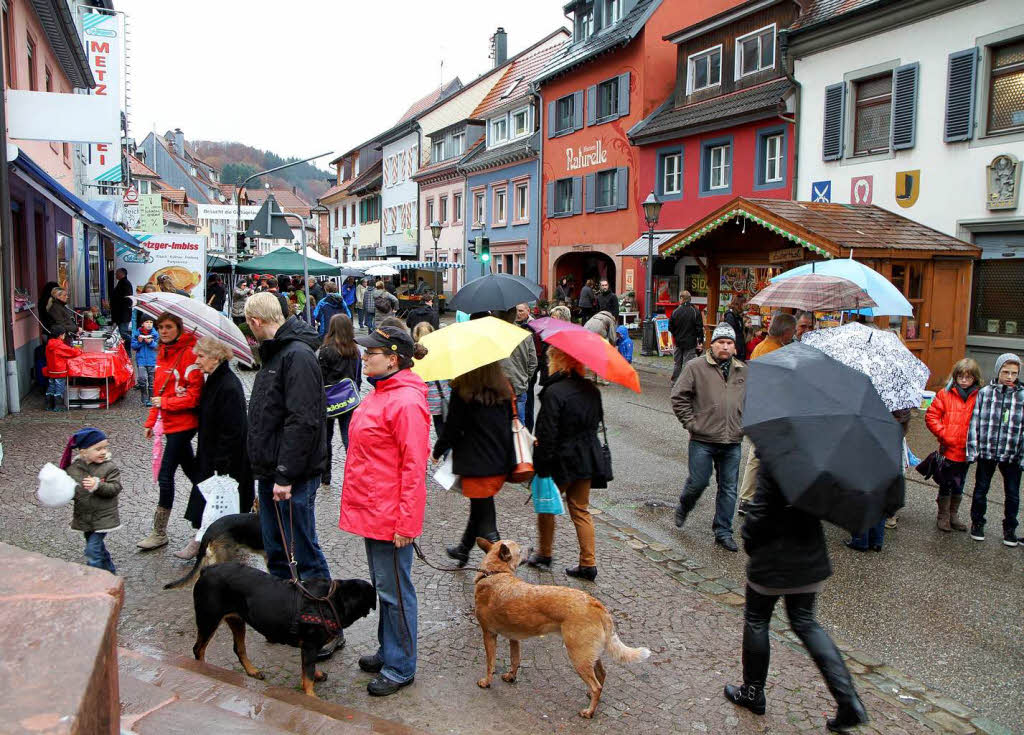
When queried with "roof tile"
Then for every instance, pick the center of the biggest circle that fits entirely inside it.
(822, 11)
(520, 73)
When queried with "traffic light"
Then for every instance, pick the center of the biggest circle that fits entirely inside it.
(240, 245)
(484, 251)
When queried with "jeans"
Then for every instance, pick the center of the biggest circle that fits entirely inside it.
(177, 453)
(680, 357)
(125, 330)
(96, 554)
(343, 422)
(361, 314)
(144, 381)
(521, 407)
(396, 632)
(56, 388)
(873, 538)
(725, 459)
(370, 316)
(309, 558)
(1011, 487)
(757, 615)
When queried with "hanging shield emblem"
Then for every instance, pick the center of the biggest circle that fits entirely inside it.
(908, 187)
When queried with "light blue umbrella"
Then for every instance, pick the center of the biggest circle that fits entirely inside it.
(890, 301)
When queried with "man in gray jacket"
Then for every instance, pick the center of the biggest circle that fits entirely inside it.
(520, 366)
(708, 401)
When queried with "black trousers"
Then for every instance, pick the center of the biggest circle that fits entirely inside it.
(177, 453)
(343, 421)
(757, 615)
(483, 522)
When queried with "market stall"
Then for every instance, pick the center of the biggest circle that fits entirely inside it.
(98, 379)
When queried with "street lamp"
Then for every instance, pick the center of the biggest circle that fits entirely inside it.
(435, 232)
(652, 209)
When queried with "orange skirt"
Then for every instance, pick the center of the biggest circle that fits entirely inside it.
(482, 487)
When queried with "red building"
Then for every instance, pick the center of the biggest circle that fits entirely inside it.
(726, 130)
(616, 71)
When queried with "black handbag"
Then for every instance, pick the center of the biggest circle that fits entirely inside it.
(604, 475)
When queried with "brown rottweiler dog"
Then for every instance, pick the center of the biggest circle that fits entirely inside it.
(508, 606)
(238, 594)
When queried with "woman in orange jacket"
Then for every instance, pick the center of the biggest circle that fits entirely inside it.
(948, 418)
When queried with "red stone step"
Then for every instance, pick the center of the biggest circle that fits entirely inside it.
(163, 694)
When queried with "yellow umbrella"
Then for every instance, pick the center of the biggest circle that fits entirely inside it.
(465, 346)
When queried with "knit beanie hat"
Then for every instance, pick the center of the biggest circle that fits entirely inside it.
(87, 437)
(1005, 358)
(723, 331)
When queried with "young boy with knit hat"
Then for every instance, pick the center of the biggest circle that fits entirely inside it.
(97, 485)
(995, 439)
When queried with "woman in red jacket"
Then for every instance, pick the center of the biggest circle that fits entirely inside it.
(384, 495)
(177, 385)
(948, 418)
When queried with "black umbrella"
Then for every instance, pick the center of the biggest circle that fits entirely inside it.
(823, 432)
(495, 292)
(347, 272)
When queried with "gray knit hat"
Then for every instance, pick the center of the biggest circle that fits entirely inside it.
(724, 331)
(1003, 359)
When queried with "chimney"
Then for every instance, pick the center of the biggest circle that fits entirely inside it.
(499, 47)
(179, 141)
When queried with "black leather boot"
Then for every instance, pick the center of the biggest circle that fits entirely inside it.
(747, 695)
(849, 715)
(587, 573)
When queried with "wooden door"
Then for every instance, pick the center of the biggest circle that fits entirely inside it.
(943, 349)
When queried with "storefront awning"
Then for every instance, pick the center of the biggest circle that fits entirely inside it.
(30, 172)
(640, 247)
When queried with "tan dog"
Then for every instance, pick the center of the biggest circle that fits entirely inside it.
(508, 606)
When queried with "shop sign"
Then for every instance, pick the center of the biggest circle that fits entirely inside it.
(862, 189)
(666, 344)
(151, 213)
(821, 191)
(786, 255)
(102, 41)
(182, 257)
(1003, 179)
(582, 248)
(908, 187)
(630, 279)
(585, 156)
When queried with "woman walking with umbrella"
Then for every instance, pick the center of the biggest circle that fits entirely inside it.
(478, 432)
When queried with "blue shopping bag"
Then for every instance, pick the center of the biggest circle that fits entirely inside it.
(546, 498)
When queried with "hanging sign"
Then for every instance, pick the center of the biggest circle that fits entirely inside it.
(786, 255)
(151, 213)
(102, 41)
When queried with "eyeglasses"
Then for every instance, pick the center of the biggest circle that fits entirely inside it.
(369, 353)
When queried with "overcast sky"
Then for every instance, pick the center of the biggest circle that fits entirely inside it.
(352, 67)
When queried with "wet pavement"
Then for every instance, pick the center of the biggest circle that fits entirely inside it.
(939, 610)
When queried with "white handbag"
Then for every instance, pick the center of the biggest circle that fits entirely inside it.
(221, 493)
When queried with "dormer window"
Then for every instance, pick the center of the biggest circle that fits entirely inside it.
(584, 23)
(520, 122)
(612, 12)
(705, 70)
(499, 130)
(437, 151)
(755, 52)
(458, 145)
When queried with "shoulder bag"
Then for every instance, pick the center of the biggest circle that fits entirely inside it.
(604, 474)
(522, 442)
(342, 397)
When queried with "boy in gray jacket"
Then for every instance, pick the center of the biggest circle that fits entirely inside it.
(97, 485)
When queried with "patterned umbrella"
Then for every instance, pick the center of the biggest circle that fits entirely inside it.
(814, 292)
(898, 376)
(199, 318)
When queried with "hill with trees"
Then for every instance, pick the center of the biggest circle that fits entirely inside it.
(237, 161)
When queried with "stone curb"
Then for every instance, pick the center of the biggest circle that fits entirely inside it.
(931, 708)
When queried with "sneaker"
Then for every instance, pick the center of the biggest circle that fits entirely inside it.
(977, 531)
(371, 664)
(742, 510)
(751, 697)
(383, 686)
(1010, 538)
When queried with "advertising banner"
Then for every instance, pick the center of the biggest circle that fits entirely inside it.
(182, 257)
(226, 212)
(666, 344)
(151, 213)
(103, 42)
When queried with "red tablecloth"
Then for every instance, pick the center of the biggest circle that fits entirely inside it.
(115, 366)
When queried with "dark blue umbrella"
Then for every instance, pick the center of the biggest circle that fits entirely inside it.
(824, 434)
(495, 292)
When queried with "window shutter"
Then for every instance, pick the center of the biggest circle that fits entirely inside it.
(835, 111)
(960, 91)
(591, 104)
(551, 198)
(577, 193)
(623, 94)
(622, 187)
(577, 110)
(590, 192)
(551, 119)
(904, 106)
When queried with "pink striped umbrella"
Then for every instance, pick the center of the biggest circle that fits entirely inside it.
(814, 292)
(199, 318)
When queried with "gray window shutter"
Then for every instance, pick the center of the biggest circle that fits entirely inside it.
(835, 112)
(551, 119)
(590, 191)
(577, 110)
(577, 194)
(960, 92)
(623, 94)
(622, 187)
(904, 106)
(591, 104)
(551, 198)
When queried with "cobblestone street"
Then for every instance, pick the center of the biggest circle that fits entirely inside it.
(658, 596)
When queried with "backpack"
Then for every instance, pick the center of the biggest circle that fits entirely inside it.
(382, 303)
(329, 308)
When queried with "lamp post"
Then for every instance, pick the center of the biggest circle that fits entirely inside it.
(652, 209)
(435, 232)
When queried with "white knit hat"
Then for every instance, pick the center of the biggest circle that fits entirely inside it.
(723, 331)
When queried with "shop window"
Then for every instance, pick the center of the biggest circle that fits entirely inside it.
(755, 52)
(716, 167)
(770, 167)
(704, 70)
(1006, 87)
(996, 306)
(670, 173)
(872, 122)
(908, 278)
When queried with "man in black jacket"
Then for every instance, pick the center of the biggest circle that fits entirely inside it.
(734, 318)
(121, 306)
(687, 328)
(425, 312)
(286, 441)
(607, 300)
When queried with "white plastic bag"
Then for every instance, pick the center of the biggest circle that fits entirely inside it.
(446, 478)
(221, 493)
(55, 486)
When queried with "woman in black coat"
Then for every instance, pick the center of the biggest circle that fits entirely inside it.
(569, 452)
(788, 559)
(223, 429)
(478, 433)
(339, 359)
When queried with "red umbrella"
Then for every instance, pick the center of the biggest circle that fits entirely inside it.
(589, 348)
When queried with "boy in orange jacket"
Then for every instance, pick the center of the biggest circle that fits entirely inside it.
(58, 352)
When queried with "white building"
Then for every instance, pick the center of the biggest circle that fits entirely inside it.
(918, 107)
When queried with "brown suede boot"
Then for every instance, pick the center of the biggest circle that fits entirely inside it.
(954, 506)
(158, 536)
(942, 522)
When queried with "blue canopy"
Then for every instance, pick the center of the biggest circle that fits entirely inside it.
(30, 170)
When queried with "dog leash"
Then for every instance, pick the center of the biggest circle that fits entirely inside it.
(293, 569)
(423, 558)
